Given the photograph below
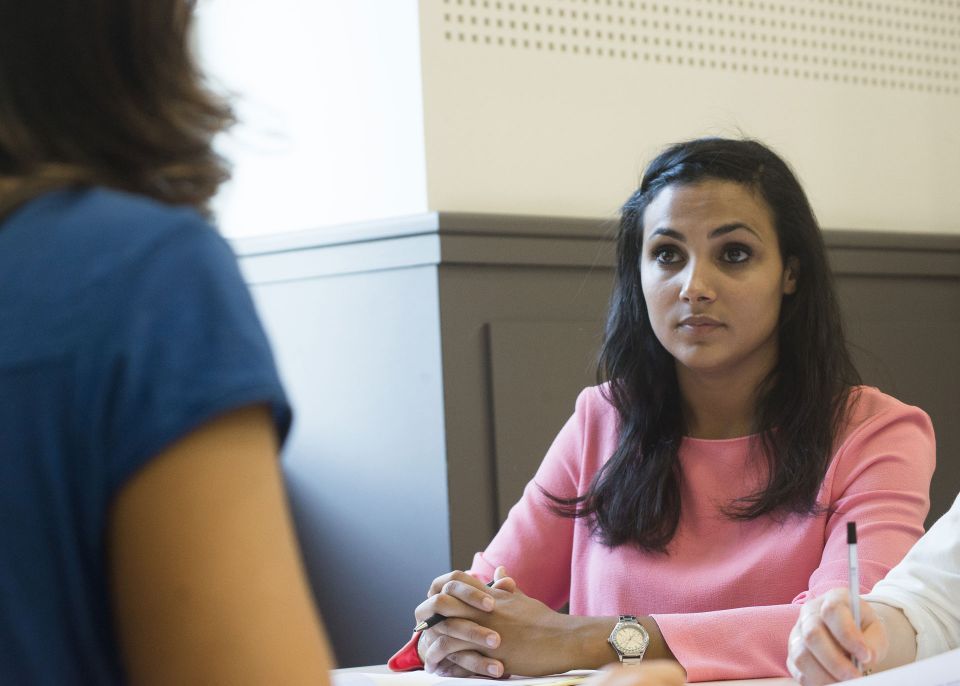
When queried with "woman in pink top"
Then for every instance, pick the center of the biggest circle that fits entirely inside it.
(705, 486)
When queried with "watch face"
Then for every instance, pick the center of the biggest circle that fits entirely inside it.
(631, 640)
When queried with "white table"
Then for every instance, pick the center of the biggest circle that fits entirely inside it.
(382, 669)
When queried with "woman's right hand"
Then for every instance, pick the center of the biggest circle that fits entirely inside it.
(826, 636)
(454, 646)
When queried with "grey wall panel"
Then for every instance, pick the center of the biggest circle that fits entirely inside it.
(472, 296)
(536, 371)
(360, 358)
(905, 337)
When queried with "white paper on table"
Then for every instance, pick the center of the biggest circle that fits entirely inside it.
(421, 678)
(939, 670)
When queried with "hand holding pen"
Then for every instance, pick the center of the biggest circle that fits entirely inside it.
(825, 640)
(836, 634)
(436, 617)
(454, 607)
(486, 603)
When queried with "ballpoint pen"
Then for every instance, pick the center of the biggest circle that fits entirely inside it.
(437, 618)
(854, 578)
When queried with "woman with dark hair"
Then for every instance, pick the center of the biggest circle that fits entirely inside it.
(146, 536)
(699, 495)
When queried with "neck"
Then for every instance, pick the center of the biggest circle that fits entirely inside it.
(722, 405)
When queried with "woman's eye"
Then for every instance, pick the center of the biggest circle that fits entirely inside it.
(666, 255)
(735, 254)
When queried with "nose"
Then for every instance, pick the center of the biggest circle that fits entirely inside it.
(697, 284)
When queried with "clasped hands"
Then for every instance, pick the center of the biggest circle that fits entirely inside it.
(496, 631)
(491, 631)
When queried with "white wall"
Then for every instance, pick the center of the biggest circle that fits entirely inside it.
(329, 98)
(862, 98)
(356, 110)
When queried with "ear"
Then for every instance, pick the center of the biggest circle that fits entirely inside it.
(790, 271)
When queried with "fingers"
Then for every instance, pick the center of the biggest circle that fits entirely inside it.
(801, 663)
(823, 639)
(467, 588)
(502, 582)
(820, 648)
(459, 642)
(448, 650)
(449, 669)
(477, 636)
(455, 575)
(837, 614)
(807, 671)
(456, 599)
(655, 673)
(477, 663)
(445, 605)
(875, 635)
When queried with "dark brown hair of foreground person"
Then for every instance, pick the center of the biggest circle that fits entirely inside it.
(131, 113)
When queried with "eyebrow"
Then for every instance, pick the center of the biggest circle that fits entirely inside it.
(719, 231)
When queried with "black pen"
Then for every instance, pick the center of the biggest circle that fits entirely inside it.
(437, 618)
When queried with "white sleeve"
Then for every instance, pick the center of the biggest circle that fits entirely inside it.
(926, 586)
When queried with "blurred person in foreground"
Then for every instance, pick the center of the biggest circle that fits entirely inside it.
(146, 537)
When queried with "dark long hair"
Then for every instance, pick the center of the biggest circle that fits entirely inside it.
(635, 497)
(105, 92)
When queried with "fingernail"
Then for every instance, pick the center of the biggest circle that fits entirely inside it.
(493, 670)
(487, 603)
(493, 640)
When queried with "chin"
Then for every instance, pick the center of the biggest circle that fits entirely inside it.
(704, 367)
(704, 362)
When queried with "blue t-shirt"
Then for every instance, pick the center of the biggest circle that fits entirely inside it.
(124, 325)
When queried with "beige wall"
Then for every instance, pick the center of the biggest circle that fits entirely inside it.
(863, 98)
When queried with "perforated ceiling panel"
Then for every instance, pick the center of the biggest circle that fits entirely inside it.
(910, 45)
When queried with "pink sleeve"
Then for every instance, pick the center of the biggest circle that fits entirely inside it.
(534, 544)
(880, 478)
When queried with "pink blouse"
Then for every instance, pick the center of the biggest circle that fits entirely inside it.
(727, 593)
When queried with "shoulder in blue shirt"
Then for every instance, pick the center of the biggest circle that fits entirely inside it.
(126, 325)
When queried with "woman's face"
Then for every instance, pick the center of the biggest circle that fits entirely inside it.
(713, 278)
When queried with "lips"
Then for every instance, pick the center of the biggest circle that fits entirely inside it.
(699, 326)
(699, 322)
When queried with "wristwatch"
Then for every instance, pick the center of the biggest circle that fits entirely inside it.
(629, 639)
